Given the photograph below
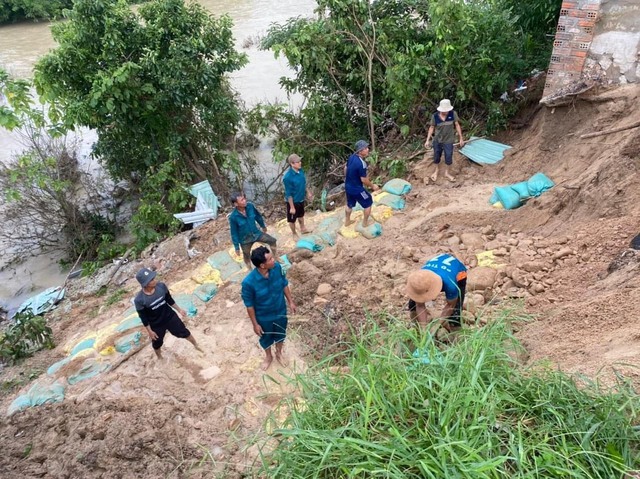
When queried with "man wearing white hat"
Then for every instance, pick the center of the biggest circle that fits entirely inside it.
(444, 273)
(444, 123)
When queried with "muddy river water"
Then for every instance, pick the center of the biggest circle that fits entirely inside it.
(22, 44)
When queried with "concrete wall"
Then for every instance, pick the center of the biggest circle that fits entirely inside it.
(595, 39)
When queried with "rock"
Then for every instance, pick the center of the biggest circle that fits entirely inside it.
(481, 278)
(478, 299)
(519, 279)
(473, 241)
(533, 266)
(513, 242)
(573, 261)
(453, 241)
(515, 231)
(562, 240)
(407, 252)
(508, 285)
(537, 288)
(500, 252)
(562, 253)
(493, 244)
(487, 230)
(393, 269)
(299, 254)
(320, 301)
(324, 289)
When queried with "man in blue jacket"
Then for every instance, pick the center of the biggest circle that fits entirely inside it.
(295, 192)
(355, 182)
(244, 230)
(444, 273)
(264, 291)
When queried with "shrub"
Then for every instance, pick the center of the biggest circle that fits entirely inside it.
(26, 335)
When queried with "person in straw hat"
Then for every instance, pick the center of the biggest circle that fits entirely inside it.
(444, 273)
(444, 123)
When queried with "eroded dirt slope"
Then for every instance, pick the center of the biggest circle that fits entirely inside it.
(563, 255)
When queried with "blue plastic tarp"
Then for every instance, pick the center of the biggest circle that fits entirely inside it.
(43, 302)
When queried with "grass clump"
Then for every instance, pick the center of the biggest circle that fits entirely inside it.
(403, 408)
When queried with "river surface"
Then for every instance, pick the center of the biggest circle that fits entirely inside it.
(22, 44)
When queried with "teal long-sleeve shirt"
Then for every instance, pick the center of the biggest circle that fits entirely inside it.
(243, 227)
(295, 185)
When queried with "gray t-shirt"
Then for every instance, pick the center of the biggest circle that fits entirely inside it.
(155, 308)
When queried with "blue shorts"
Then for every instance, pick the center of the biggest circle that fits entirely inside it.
(439, 148)
(363, 198)
(273, 332)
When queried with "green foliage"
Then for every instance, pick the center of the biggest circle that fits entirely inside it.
(115, 297)
(10, 385)
(13, 10)
(370, 67)
(399, 406)
(25, 335)
(153, 84)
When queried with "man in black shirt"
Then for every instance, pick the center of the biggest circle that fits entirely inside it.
(157, 310)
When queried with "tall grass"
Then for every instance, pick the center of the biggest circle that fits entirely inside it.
(464, 411)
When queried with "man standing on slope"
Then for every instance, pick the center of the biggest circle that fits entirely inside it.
(355, 182)
(264, 291)
(244, 232)
(443, 123)
(442, 273)
(295, 191)
(157, 310)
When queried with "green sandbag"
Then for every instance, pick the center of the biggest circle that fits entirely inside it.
(206, 291)
(185, 301)
(509, 197)
(129, 323)
(125, 343)
(372, 231)
(82, 345)
(393, 201)
(90, 368)
(539, 183)
(330, 225)
(310, 242)
(397, 186)
(37, 396)
(223, 262)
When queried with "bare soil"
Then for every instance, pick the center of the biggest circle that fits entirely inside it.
(564, 257)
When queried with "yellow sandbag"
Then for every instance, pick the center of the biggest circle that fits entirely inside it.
(207, 274)
(186, 286)
(486, 258)
(105, 337)
(498, 205)
(72, 343)
(379, 195)
(108, 351)
(348, 231)
(381, 212)
(236, 257)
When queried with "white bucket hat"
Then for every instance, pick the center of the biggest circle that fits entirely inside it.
(445, 106)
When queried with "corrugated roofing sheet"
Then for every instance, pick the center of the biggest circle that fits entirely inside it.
(484, 151)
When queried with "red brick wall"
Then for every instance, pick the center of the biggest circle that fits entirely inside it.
(574, 33)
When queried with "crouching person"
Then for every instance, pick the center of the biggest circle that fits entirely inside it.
(444, 273)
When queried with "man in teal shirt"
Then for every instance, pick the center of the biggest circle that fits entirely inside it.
(264, 291)
(244, 232)
(295, 191)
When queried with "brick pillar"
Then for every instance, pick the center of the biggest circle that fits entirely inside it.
(573, 38)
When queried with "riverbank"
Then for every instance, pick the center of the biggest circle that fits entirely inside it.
(563, 258)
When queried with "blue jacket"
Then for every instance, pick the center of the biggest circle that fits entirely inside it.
(243, 228)
(266, 295)
(295, 185)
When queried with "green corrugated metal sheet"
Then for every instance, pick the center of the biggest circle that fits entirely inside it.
(484, 151)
